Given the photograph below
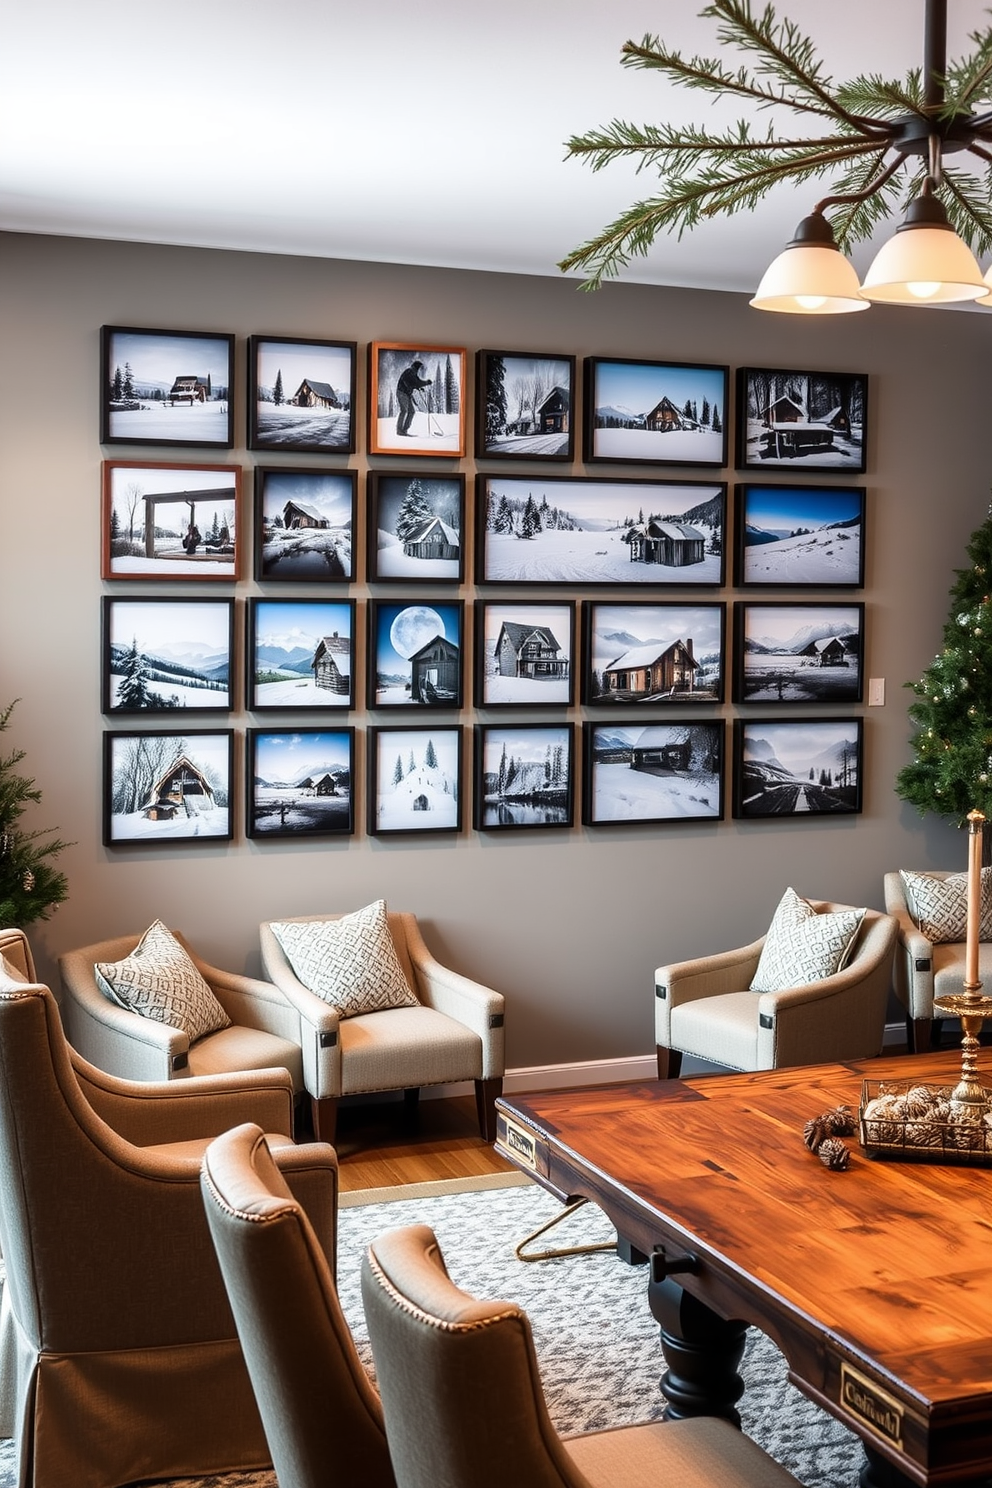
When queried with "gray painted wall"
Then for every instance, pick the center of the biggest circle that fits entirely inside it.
(570, 926)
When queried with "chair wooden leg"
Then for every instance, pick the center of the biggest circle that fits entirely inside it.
(487, 1093)
(324, 1115)
(669, 1063)
(919, 1035)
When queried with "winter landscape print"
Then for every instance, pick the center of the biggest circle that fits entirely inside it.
(170, 521)
(557, 530)
(166, 654)
(653, 653)
(304, 525)
(167, 787)
(800, 535)
(809, 420)
(658, 413)
(525, 654)
(526, 406)
(416, 399)
(415, 655)
(414, 780)
(652, 772)
(798, 653)
(523, 776)
(415, 528)
(301, 395)
(793, 769)
(166, 387)
(301, 653)
(300, 782)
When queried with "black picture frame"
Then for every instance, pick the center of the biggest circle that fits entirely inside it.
(300, 783)
(166, 387)
(652, 772)
(523, 776)
(655, 413)
(798, 768)
(166, 655)
(416, 527)
(525, 405)
(427, 796)
(525, 654)
(161, 787)
(423, 416)
(791, 536)
(300, 654)
(798, 653)
(802, 421)
(597, 531)
(305, 528)
(148, 533)
(639, 653)
(318, 416)
(415, 651)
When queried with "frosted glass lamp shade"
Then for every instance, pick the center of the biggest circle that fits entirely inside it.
(924, 262)
(811, 276)
(986, 299)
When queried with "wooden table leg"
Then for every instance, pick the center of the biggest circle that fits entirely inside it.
(879, 1472)
(702, 1351)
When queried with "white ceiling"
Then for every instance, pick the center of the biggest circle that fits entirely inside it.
(413, 131)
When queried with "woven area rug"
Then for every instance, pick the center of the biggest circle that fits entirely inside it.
(596, 1340)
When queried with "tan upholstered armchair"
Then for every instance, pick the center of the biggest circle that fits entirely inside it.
(924, 969)
(703, 1007)
(119, 1358)
(455, 1033)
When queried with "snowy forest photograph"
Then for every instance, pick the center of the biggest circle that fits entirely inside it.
(300, 782)
(170, 521)
(414, 780)
(791, 535)
(301, 395)
(787, 653)
(584, 530)
(526, 406)
(657, 413)
(525, 654)
(415, 654)
(166, 654)
(166, 387)
(305, 525)
(415, 528)
(807, 420)
(167, 787)
(793, 769)
(653, 653)
(523, 776)
(301, 653)
(416, 399)
(654, 772)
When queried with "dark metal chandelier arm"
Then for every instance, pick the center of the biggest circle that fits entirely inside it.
(851, 198)
(762, 179)
(986, 155)
(981, 125)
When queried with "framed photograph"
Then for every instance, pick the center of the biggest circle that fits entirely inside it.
(795, 768)
(415, 654)
(300, 783)
(166, 387)
(647, 652)
(797, 535)
(801, 420)
(652, 772)
(301, 395)
(523, 776)
(300, 654)
(305, 526)
(525, 655)
(416, 399)
(162, 655)
(584, 530)
(525, 407)
(655, 413)
(163, 787)
(170, 521)
(414, 780)
(416, 528)
(808, 653)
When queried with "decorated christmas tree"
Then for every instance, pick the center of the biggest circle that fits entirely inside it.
(952, 772)
(30, 887)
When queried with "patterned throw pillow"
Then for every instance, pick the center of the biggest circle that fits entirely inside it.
(802, 946)
(351, 963)
(158, 980)
(940, 905)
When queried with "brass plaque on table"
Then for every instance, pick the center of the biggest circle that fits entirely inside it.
(518, 1141)
(873, 1407)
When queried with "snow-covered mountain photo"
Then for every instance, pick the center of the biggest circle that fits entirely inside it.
(301, 653)
(791, 769)
(801, 535)
(798, 653)
(653, 772)
(656, 412)
(415, 784)
(653, 653)
(304, 525)
(301, 782)
(302, 395)
(167, 654)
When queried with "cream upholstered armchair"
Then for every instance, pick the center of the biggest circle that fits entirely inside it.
(707, 1007)
(436, 1026)
(119, 1358)
(930, 954)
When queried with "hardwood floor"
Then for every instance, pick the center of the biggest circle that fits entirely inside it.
(378, 1148)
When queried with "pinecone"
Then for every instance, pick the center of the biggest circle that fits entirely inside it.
(28, 880)
(834, 1154)
(815, 1132)
(839, 1121)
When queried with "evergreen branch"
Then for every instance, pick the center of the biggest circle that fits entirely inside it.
(854, 222)
(709, 75)
(874, 95)
(966, 80)
(674, 150)
(970, 215)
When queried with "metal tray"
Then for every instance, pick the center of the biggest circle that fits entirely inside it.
(927, 1130)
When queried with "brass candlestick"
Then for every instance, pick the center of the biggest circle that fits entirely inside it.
(969, 1098)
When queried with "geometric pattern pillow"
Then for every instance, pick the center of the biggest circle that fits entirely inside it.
(940, 905)
(159, 981)
(802, 946)
(351, 963)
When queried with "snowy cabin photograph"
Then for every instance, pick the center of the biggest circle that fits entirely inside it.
(167, 787)
(305, 525)
(785, 653)
(166, 387)
(525, 406)
(523, 776)
(655, 772)
(656, 413)
(642, 652)
(415, 528)
(415, 654)
(301, 653)
(524, 654)
(165, 655)
(797, 769)
(164, 521)
(414, 780)
(797, 535)
(806, 420)
(301, 394)
(300, 782)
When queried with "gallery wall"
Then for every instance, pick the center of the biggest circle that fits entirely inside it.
(569, 924)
